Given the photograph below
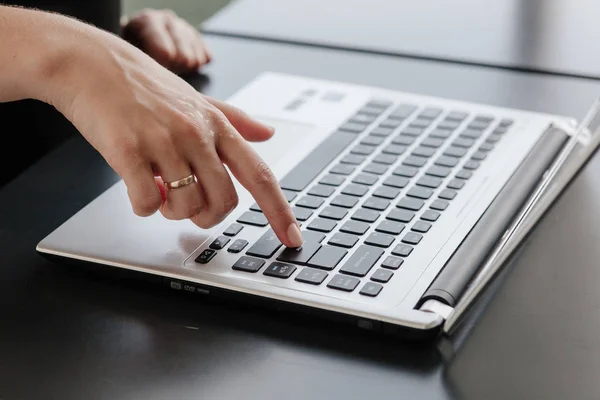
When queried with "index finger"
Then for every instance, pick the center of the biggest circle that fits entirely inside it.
(256, 176)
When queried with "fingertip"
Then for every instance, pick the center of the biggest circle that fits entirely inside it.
(294, 235)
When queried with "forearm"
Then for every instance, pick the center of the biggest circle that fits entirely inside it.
(35, 48)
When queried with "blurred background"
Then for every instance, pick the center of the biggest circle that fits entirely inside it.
(195, 11)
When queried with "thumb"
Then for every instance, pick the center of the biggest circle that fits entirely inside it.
(249, 128)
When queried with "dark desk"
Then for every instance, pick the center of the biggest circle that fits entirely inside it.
(557, 36)
(68, 334)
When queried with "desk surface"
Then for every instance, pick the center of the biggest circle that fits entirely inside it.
(70, 334)
(558, 36)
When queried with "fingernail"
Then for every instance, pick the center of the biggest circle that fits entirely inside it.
(294, 235)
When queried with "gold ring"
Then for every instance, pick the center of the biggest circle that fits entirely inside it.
(179, 183)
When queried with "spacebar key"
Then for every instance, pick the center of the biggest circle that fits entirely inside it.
(362, 261)
(266, 246)
(306, 171)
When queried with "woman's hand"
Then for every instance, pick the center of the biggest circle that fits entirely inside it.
(147, 122)
(170, 40)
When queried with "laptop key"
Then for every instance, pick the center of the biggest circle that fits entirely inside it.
(279, 270)
(456, 184)
(311, 202)
(368, 110)
(379, 239)
(312, 236)
(377, 169)
(376, 204)
(355, 227)
(371, 289)
(353, 159)
(454, 151)
(423, 151)
(391, 123)
(420, 123)
(486, 147)
(248, 264)
(406, 171)
(446, 161)
(403, 111)
(332, 180)
(410, 204)
(463, 142)
(372, 140)
(302, 214)
(386, 192)
(430, 215)
(361, 262)
(327, 257)
(361, 118)
(390, 227)
(219, 242)
(440, 133)
(233, 229)
(464, 174)
(447, 194)
(332, 212)
(396, 181)
(266, 246)
(402, 250)
(471, 164)
(255, 207)
(412, 238)
(430, 182)
(421, 227)
(344, 283)
(300, 255)
(394, 149)
(382, 275)
(439, 204)
(414, 161)
(479, 156)
(387, 159)
(493, 138)
(478, 125)
(253, 218)
(432, 142)
(500, 130)
(380, 103)
(353, 189)
(403, 140)
(362, 214)
(365, 179)
(362, 150)
(401, 215)
(237, 246)
(430, 113)
(343, 240)
(312, 276)
(506, 122)
(345, 201)
(322, 225)
(206, 256)
(420, 192)
(342, 169)
(449, 124)
(353, 127)
(440, 172)
(306, 171)
(382, 131)
(321, 190)
(412, 131)
(392, 262)
(457, 116)
(471, 134)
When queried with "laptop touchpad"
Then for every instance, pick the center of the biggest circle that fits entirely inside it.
(288, 136)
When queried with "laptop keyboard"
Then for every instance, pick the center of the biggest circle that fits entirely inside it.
(394, 183)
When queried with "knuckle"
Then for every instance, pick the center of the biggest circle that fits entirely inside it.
(147, 205)
(230, 202)
(193, 210)
(262, 175)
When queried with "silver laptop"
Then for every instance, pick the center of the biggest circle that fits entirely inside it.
(409, 205)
